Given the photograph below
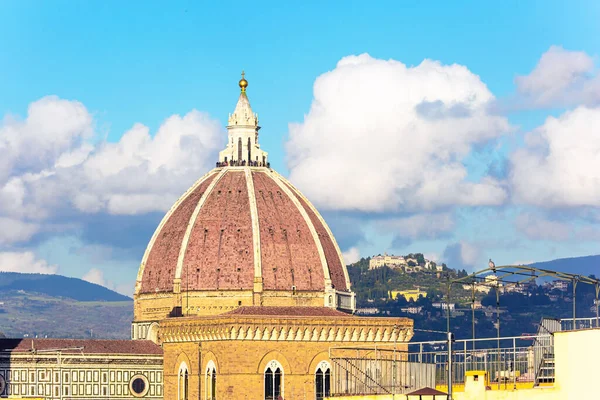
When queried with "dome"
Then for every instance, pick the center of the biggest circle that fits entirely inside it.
(242, 235)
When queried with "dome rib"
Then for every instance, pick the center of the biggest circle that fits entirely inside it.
(311, 227)
(187, 200)
(191, 223)
(288, 250)
(220, 244)
(255, 229)
(335, 261)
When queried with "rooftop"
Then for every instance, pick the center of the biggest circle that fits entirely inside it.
(289, 312)
(85, 346)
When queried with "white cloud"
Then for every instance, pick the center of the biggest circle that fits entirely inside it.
(52, 167)
(382, 136)
(462, 255)
(560, 165)
(96, 276)
(432, 257)
(537, 227)
(420, 226)
(25, 262)
(14, 230)
(351, 255)
(561, 78)
(52, 127)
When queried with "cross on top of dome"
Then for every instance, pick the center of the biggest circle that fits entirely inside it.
(243, 82)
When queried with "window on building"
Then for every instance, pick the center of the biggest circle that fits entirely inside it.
(2, 385)
(273, 381)
(182, 382)
(240, 149)
(323, 380)
(249, 150)
(211, 381)
(138, 385)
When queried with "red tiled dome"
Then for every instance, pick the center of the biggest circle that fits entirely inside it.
(237, 225)
(241, 236)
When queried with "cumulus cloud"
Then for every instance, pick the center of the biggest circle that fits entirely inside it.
(351, 255)
(561, 78)
(52, 127)
(382, 136)
(14, 230)
(96, 276)
(25, 262)
(560, 164)
(420, 226)
(461, 255)
(53, 167)
(536, 228)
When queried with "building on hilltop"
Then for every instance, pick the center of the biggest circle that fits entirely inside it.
(387, 260)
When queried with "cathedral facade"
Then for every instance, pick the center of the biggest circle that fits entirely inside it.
(243, 287)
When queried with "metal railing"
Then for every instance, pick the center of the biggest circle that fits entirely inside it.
(360, 371)
(399, 369)
(571, 324)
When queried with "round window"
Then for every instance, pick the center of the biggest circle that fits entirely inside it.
(138, 385)
(2, 384)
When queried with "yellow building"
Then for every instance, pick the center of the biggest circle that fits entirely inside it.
(411, 294)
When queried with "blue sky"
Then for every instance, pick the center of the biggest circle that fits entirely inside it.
(142, 62)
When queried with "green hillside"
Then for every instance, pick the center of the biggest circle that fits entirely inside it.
(520, 312)
(56, 306)
(34, 314)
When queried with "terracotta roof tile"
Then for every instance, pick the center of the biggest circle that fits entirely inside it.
(85, 346)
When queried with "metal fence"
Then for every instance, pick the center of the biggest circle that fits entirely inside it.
(571, 324)
(404, 368)
(359, 371)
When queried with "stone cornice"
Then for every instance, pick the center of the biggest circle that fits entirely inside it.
(279, 328)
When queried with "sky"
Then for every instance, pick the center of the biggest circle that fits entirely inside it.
(461, 130)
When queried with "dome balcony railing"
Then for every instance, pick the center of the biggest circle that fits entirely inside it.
(242, 163)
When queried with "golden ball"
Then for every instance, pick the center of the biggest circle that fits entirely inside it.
(243, 83)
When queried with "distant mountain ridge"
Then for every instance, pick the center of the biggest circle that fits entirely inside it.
(586, 265)
(58, 286)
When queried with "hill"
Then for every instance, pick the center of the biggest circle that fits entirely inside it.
(521, 309)
(58, 286)
(587, 265)
(56, 306)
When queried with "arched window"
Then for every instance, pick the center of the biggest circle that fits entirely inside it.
(240, 149)
(210, 381)
(273, 381)
(249, 150)
(323, 380)
(182, 382)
